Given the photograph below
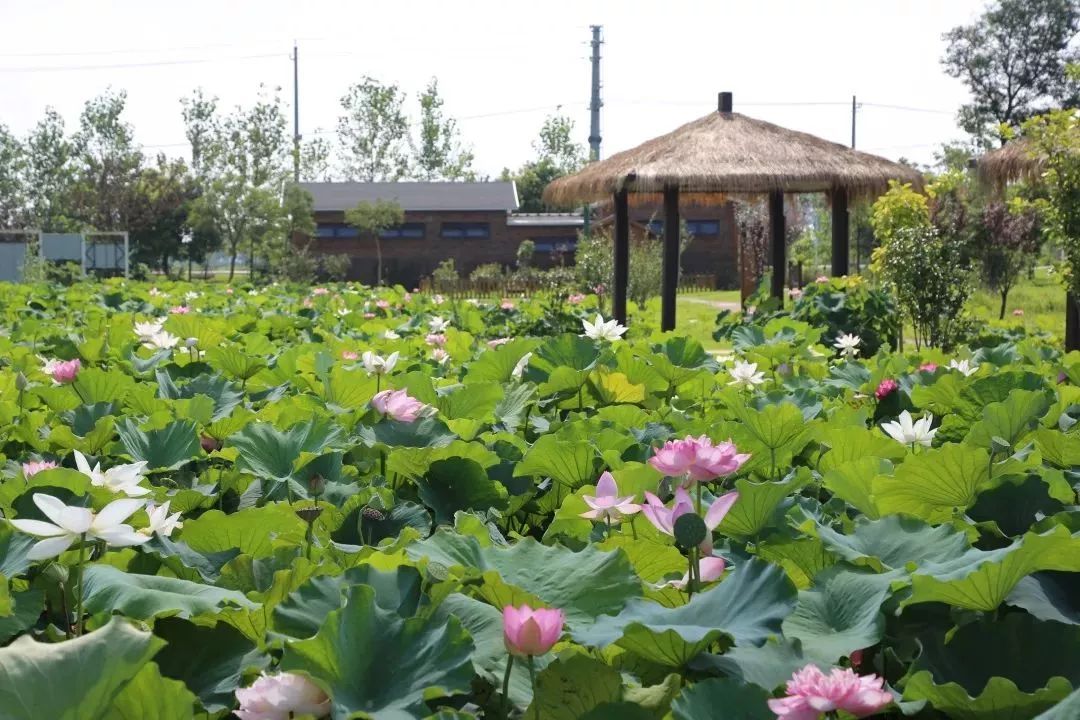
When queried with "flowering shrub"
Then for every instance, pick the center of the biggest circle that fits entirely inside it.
(305, 512)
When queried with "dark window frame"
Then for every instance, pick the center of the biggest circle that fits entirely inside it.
(465, 230)
(693, 225)
(405, 231)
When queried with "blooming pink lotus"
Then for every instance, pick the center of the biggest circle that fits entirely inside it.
(928, 367)
(607, 505)
(1018, 312)
(711, 568)
(407, 297)
(507, 305)
(811, 693)
(529, 632)
(822, 279)
(382, 304)
(180, 310)
(64, 371)
(436, 339)
(33, 467)
(497, 342)
(398, 405)
(349, 355)
(320, 291)
(576, 299)
(885, 388)
(280, 697)
(698, 459)
(663, 519)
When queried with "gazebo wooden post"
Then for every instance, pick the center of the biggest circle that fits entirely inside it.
(670, 283)
(622, 256)
(841, 232)
(779, 243)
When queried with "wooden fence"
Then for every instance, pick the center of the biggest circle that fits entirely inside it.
(510, 286)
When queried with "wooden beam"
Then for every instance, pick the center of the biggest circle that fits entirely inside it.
(670, 278)
(841, 232)
(778, 242)
(622, 256)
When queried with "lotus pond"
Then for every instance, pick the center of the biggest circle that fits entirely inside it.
(337, 502)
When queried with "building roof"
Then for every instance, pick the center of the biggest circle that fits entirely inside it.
(546, 220)
(729, 153)
(413, 196)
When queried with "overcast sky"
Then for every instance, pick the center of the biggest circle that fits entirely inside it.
(502, 65)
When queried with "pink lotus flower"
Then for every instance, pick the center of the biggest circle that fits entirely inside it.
(437, 339)
(795, 293)
(664, 519)
(576, 299)
(280, 697)
(600, 289)
(607, 505)
(928, 367)
(33, 467)
(64, 371)
(369, 315)
(697, 459)
(497, 342)
(398, 405)
(811, 693)
(307, 303)
(382, 304)
(228, 291)
(349, 355)
(885, 388)
(507, 305)
(320, 291)
(711, 568)
(822, 279)
(1018, 312)
(528, 632)
(440, 356)
(179, 310)
(407, 297)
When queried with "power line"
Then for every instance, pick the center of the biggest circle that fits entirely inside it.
(119, 66)
(906, 108)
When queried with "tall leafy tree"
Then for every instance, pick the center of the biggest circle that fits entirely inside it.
(373, 132)
(1013, 61)
(201, 127)
(161, 200)
(50, 175)
(438, 153)
(12, 169)
(557, 155)
(107, 163)
(315, 161)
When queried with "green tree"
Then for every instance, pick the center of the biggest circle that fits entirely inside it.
(1012, 60)
(557, 155)
(107, 163)
(438, 153)
(1009, 237)
(12, 170)
(374, 132)
(315, 161)
(50, 175)
(162, 197)
(202, 128)
(371, 219)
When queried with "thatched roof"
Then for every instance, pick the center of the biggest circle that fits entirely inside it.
(730, 153)
(1009, 163)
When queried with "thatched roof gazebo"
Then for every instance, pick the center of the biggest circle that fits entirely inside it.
(726, 153)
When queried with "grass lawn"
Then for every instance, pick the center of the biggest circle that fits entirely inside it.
(1042, 300)
(695, 314)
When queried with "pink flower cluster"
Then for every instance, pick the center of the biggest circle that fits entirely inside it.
(436, 339)
(528, 632)
(811, 693)
(697, 459)
(180, 310)
(399, 405)
(576, 299)
(885, 388)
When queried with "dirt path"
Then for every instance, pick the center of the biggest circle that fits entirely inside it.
(718, 304)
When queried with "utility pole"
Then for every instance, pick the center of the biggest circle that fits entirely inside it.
(296, 112)
(594, 109)
(853, 106)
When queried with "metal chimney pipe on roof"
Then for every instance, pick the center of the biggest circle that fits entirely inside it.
(725, 102)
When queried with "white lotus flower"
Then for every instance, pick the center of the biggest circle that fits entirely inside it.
(191, 295)
(378, 365)
(964, 366)
(391, 335)
(438, 325)
(147, 330)
(519, 368)
(69, 523)
(601, 330)
(746, 375)
(911, 433)
(120, 479)
(848, 345)
(161, 522)
(163, 340)
(440, 356)
(342, 312)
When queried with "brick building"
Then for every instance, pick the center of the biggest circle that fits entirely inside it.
(476, 223)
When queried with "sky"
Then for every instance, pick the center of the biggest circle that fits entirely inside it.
(503, 65)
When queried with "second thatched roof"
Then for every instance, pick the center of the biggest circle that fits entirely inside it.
(730, 153)
(1011, 162)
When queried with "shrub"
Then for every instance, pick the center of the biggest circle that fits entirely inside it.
(525, 252)
(850, 305)
(487, 271)
(445, 277)
(594, 264)
(336, 266)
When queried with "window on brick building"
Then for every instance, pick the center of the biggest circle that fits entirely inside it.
(555, 244)
(409, 231)
(327, 231)
(465, 230)
(697, 228)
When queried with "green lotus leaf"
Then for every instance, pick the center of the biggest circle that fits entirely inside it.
(457, 484)
(165, 449)
(150, 696)
(701, 700)
(1049, 595)
(372, 661)
(760, 504)
(73, 680)
(935, 484)
(1012, 420)
(110, 590)
(570, 463)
